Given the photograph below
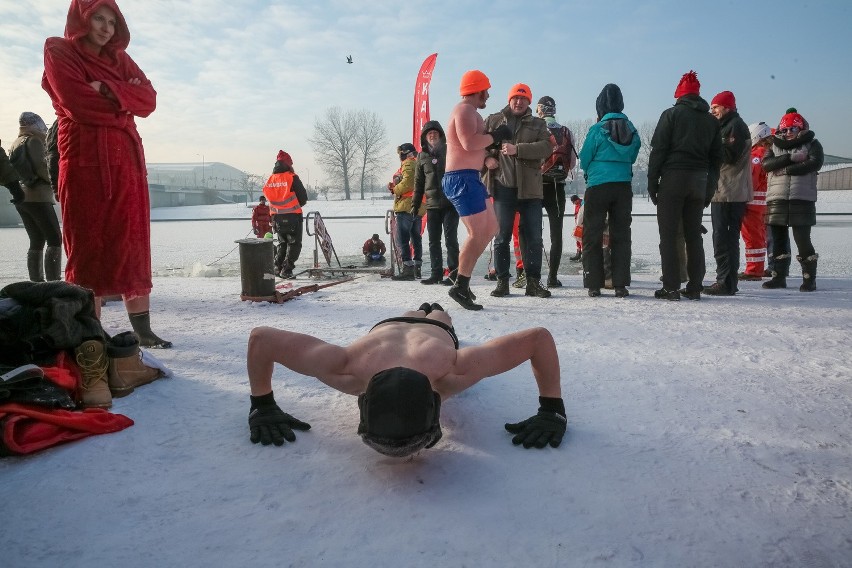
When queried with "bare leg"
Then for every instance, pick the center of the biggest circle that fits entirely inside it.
(481, 228)
(137, 304)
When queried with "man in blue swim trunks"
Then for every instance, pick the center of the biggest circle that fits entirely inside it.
(401, 371)
(466, 145)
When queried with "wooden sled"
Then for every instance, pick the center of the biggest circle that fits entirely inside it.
(281, 297)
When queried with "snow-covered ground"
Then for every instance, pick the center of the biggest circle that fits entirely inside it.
(711, 433)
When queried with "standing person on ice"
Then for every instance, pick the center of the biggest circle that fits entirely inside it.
(97, 91)
(286, 195)
(36, 209)
(466, 144)
(753, 229)
(792, 163)
(407, 214)
(261, 220)
(441, 216)
(401, 371)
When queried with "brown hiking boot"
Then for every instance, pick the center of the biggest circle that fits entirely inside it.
(126, 369)
(92, 359)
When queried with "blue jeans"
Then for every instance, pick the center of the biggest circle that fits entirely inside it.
(506, 203)
(407, 236)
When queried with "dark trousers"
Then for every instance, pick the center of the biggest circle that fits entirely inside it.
(40, 223)
(288, 227)
(727, 221)
(772, 251)
(781, 240)
(554, 206)
(408, 236)
(446, 220)
(615, 201)
(506, 203)
(681, 200)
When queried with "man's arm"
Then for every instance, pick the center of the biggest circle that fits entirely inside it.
(268, 424)
(504, 353)
(548, 425)
(467, 122)
(298, 352)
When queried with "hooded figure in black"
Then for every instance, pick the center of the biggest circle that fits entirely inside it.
(440, 213)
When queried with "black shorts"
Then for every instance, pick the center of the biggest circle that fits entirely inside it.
(405, 319)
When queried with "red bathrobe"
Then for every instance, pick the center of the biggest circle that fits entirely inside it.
(103, 190)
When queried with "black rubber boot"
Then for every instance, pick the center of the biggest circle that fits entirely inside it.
(809, 271)
(779, 275)
(141, 324)
(53, 263)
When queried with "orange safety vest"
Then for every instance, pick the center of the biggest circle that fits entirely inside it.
(279, 191)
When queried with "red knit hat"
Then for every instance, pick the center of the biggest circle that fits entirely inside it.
(725, 99)
(520, 90)
(688, 85)
(284, 157)
(792, 119)
(472, 82)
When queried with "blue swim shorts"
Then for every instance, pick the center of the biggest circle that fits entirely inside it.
(465, 191)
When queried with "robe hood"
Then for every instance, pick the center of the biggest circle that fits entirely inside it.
(77, 23)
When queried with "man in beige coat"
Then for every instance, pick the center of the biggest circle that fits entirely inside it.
(514, 180)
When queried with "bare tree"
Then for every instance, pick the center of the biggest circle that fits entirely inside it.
(250, 183)
(334, 145)
(646, 132)
(370, 139)
(580, 128)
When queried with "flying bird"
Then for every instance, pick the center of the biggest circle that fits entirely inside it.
(348, 59)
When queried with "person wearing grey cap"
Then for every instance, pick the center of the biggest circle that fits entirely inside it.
(401, 371)
(555, 170)
(27, 154)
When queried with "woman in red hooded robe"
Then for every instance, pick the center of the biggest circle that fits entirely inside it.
(97, 91)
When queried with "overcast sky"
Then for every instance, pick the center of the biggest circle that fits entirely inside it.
(236, 80)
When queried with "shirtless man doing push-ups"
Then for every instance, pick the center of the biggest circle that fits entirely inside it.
(401, 371)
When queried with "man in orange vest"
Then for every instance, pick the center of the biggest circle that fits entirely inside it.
(286, 195)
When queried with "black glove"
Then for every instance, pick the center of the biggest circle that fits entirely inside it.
(502, 132)
(14, 188)
(546, 427)
(271, 425)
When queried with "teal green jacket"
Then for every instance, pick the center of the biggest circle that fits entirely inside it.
(610, 148)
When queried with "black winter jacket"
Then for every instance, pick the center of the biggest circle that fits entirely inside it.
(429, 170)
(687, 137)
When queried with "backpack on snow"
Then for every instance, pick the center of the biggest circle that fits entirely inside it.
(20, 159)
(564, 156)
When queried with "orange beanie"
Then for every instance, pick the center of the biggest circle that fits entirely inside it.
(520, 90)
(473, 82)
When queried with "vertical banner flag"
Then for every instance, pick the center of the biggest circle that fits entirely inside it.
(421, 98)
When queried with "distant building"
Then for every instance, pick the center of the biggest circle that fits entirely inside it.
(204, 183)
(836, 173)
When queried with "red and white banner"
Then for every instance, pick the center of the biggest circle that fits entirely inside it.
(421, 98)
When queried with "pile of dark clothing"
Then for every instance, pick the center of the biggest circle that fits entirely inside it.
(59, 369)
